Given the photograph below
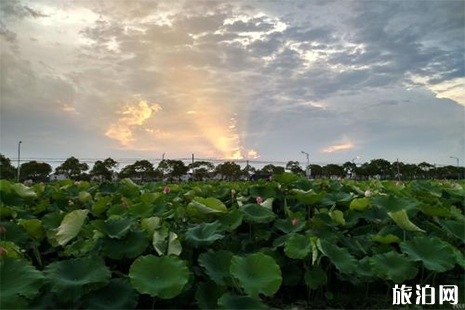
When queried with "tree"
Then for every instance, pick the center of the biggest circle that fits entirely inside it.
(103, 170)
(35, 171)
(379, 167)
(172, 168)
(141, 170)
(7, 171)
(294, 167)
(349, 168)
(272, 169)
(316, 170)
(229, 170)
(248, 171)
(201, 170)
(72, 168)
(333, 170)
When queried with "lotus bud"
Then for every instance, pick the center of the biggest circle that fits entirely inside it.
(233, 192)
(166, 190)
(70, 203)
(295, 221)
(367, 193)
(259, 200)
(125, 204)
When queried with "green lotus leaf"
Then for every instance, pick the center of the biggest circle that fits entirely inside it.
(204, 234)
(216, 265)
(401, 219)
(71, 279)
(387, 239)
(340, 257)
(298, 246)
(315, 277)
(307, 197)
(150, 224)
(435, 254)
(393, 266)
(337, 197)
(174, 245)
(164, 277)
(84, 196)
(286, 178)
(286, 226)
(141, 209)
(99, 206)
(159, 240)
(117, 294)
(207, 295)
(80, 247)
(456, 228)
(117, 228)
(11, 249)
(230, 301)
(292, 274)
(231, 220)
(459, 258)
(15, 233)
(18, 279)
(70, 226)
(435, 210)
(338, 217)
(264, 191)
(131, 245)
(359, 204)
(208, 205)
(256, 273)
(254, 213)
(23, 191)
(393, 204)
(33, 227)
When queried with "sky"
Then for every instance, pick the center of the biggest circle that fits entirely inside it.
(260, 80)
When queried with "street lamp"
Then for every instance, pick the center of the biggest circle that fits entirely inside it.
(19, 159)
(352, 169)
(458, 170)
(163, 156)
(308, 170)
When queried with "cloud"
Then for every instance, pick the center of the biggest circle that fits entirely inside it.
(132, 116)
(338, 147)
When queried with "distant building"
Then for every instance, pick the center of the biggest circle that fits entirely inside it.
(57, 177)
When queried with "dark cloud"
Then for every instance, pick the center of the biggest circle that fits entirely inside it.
(10, 9)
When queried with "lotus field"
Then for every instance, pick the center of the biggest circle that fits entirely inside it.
(288, 243)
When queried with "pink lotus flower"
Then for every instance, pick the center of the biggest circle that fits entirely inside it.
(166, 190)
(295, 221)
(3, 251)
(259, 200)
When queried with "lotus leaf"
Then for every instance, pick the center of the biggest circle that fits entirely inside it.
(208, 205)
(254, 213)
(117, 294)
(401, 219)
(23, 191)
(204, 234)
(70, 279)
(131, 245)
(359, 204)
(70, 226)
(164, 277)
(298, 246)
(456, 228)
(257, 273)
(315, 277)
(340, 257)
(117, 228)
(33, 227)
(216, 265)
(18, 279)
(393, 266)
(230, 301)
(207, 295)
(393, 204)
(435, 254)
(231, 220)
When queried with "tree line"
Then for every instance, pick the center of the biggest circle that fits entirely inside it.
(176, 170)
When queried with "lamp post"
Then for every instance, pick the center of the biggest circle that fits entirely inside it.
(163, 156)
(458, 170)
(308, 170)
(352, 171)
(19, 159)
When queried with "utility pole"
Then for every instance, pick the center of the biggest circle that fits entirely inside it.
(398, 170)
(19, 159)
(308, 170)
(193, 170)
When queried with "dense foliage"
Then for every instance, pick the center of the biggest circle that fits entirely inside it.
(286, 243)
